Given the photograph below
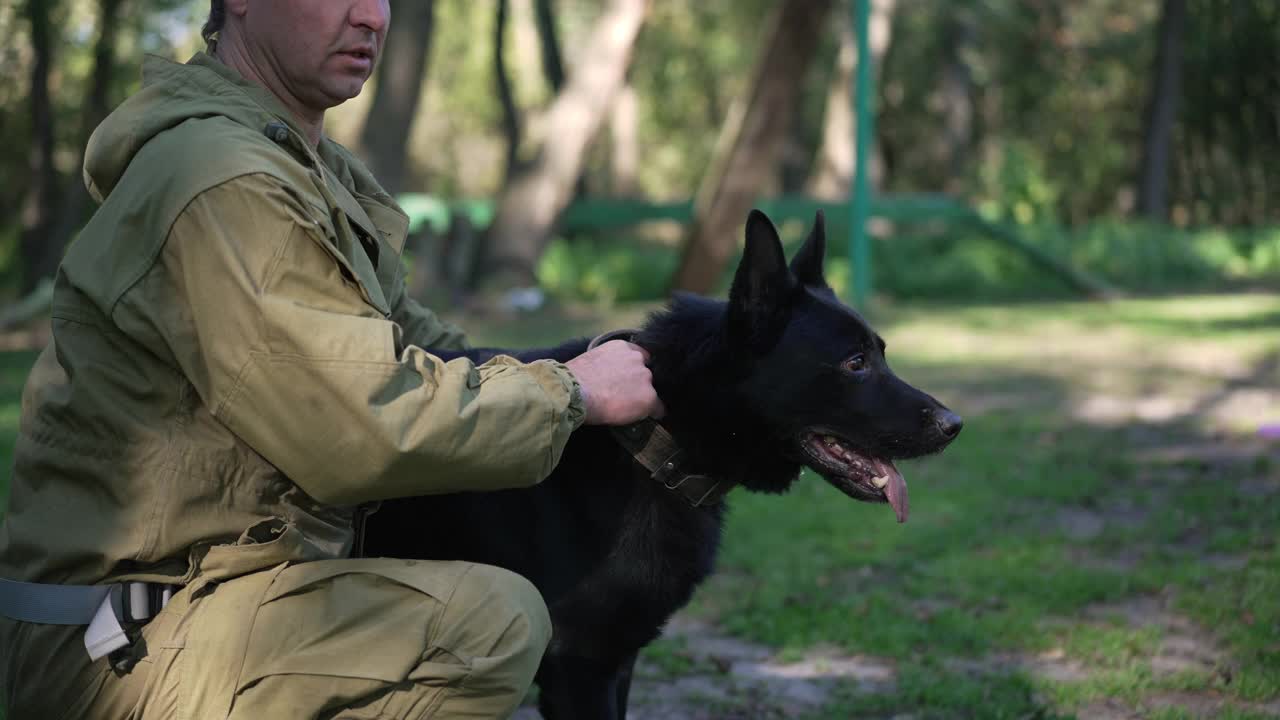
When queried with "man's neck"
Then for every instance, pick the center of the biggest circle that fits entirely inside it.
(234, 55)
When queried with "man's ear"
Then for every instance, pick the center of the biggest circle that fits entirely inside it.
(807, 264)
(760, 299)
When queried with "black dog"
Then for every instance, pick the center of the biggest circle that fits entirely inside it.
(780, 377)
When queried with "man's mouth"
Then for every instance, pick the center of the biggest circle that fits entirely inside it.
(363, 53)
(858, 475)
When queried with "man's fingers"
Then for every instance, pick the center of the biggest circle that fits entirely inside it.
(659, 410)
(643, 353)
(617, 389)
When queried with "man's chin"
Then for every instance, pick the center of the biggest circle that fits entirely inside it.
(341, 89)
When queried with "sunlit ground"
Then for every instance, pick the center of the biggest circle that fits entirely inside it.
(1100, 541)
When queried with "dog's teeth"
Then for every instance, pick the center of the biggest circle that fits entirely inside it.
(829, 440)
(880, 480)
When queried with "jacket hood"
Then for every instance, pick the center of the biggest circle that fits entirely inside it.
(173, 93)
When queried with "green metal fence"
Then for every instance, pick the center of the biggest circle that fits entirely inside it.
(604, 214)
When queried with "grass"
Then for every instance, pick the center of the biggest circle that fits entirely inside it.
(1104, 530)
(1106, 502)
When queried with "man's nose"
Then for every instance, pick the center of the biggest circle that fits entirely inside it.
(372, 14)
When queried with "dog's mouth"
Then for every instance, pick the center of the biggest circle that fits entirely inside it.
(856, 474)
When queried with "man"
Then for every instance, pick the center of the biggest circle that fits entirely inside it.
(235, 375)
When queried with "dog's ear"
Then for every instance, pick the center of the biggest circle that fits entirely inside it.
(759, 300)
(807, 264)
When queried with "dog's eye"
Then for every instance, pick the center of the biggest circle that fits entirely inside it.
(857, 363)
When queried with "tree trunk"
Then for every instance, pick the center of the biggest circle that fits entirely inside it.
(624, 154)
(1153, 174)
(750, 142)
(97, 103)
(510, 111)
(389, 124)
(537, 193)
(833, 167)
(957, 95)
(39, 256)
(553, 65)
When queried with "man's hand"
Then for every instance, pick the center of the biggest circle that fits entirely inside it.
(617, 386)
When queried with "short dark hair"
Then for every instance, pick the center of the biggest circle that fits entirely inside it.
(217, 16)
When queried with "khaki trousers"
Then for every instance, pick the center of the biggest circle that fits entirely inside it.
(335, 639)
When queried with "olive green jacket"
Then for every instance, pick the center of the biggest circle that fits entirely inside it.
(235, 364)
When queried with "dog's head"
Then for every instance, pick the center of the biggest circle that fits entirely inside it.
(816, 375)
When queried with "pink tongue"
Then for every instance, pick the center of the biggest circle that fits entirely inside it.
(895, 490)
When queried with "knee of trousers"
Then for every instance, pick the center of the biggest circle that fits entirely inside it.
(499, 598)
(452, 632)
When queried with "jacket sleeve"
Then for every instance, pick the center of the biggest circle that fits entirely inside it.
(421, 326)
(283, 348)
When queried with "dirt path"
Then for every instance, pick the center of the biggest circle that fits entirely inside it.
(712, 676)
(730, 678)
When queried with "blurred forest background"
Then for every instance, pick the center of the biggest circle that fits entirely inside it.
(1138, 141)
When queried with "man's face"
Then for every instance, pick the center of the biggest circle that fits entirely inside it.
(321, 50)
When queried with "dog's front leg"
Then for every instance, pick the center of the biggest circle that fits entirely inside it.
(578, 688)
(624, 684)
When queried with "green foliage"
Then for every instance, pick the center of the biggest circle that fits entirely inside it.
(957, 265)
(1057, 86)
(593, 270)
(1133, 256)
(1018, 188)
(1228, 130)
(1153, 257)
(1067, 84)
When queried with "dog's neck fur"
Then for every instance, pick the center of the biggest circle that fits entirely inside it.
(689, 341)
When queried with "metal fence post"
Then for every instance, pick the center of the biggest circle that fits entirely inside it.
(864, 122)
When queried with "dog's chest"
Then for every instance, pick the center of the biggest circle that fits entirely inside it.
(664, 548)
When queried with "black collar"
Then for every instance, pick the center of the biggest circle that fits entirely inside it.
(654, 448)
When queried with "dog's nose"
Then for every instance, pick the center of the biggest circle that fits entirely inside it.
(949, 423)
